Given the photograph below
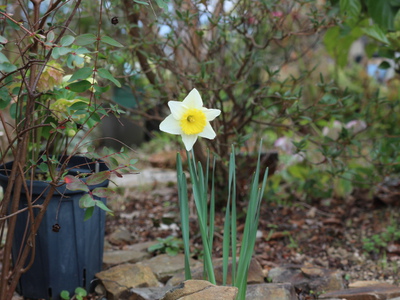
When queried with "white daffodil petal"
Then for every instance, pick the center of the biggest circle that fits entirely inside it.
(189, 140)
(171, 125)
(177, 109)
(211, 114)
(208, 132)
(193, 100)
(190, 119)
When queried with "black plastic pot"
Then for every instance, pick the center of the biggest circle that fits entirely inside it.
(69, 250)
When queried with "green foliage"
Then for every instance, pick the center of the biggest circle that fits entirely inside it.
(80, 294)
(375, 19)
(206, 211)
(169, 245)
(378, 243)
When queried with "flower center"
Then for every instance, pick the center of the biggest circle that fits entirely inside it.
(193, 121)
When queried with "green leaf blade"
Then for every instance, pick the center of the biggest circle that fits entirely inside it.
(85, 39)
(86, 201)
(80, 86)
(88, 213)
(375, 32)
(111, 41)
(104, 73)
(67, 40)
(102, 206)
(83, 73)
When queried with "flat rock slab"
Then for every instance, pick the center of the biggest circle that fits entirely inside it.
(165, 266)
(122, 277)
(308, 278)
(275, 291)
(382, 291)
(150, 293)
(120, 236)
(116, 257)
(201, 290)
(131, 254)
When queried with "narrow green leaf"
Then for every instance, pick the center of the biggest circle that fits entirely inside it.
(184, 213)
(83, 73)
(101, 205)
(104, 73)
(199, 199)
(85, 39)
(80, 86)
(232, 172)
(211, 221)
(226, 243)
(250, 229)
(141, 2)
(111, 41)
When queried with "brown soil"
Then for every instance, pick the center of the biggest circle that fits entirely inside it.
(327, 233)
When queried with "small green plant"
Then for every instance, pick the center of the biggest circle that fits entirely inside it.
(80, 293)
(169, 245)
(206, 212)
(378, 242)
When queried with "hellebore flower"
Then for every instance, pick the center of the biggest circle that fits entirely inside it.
(190, 119)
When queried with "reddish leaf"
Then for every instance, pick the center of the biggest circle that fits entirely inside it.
(117, 174)
(98, 178)
(103, 192)
(75, 184)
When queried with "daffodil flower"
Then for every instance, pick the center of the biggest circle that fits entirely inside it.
(190, 119)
